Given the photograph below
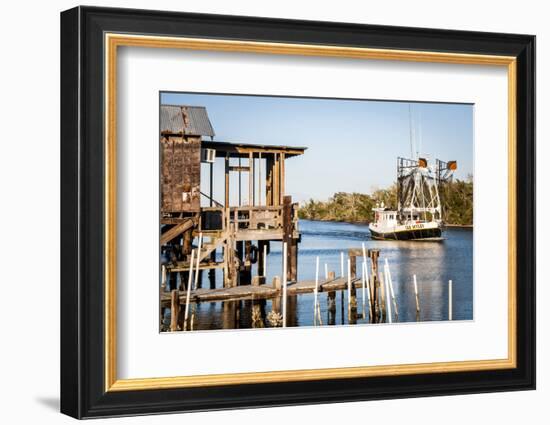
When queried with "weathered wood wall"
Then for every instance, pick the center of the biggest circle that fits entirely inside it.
(180, 169)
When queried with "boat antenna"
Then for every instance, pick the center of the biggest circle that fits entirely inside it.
(411, 134)
(419, 150)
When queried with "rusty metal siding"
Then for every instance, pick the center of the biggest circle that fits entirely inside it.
(189, 120)
(180, 173)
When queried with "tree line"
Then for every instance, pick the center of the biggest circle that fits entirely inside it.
(456, 198)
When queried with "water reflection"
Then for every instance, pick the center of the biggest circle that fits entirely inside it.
(433, 263)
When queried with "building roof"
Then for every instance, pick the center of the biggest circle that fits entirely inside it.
(241, 149)
(182, 119)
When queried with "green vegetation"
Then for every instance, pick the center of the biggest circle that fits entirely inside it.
(457, 202)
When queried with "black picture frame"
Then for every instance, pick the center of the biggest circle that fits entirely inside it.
(83, 392)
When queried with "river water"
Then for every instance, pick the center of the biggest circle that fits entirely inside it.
(433, 263)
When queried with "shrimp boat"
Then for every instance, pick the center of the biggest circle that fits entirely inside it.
(419, 214)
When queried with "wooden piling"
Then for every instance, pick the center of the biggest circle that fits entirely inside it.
(188, 296)
(342, 264)
(349, 287)
(416, 295)
(390, 283)
(315, 292)
(353, 266)
(387, 298)
(382, 296)
(258, 280)
(197, 267)
(368, 291)
(374, 285)
(450, 300)
(285, 249)
(174, 309)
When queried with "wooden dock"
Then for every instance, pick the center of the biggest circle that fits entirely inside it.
(251, 292)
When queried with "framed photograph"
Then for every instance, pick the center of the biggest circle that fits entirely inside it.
(261, 212)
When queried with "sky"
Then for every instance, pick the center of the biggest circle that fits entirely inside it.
(353, 145)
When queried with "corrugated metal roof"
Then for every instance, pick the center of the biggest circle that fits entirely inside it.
(240, 149)
(196, 120)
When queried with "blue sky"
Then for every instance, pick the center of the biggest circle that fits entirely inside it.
(352, 144)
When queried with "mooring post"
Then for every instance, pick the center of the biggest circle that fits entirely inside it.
(315, 299)
(382, 296)
(174, 310)
(188, 296)
(368, 291)
(450, 300)
(349, 287)
(363, 279)
(197, 268)
(416, 296)
(262, 254)
(387, 297)
(374, 284)
(390, 282)
(353, 265)
(285, 259)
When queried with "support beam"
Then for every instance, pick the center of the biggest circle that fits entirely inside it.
(227, 181)
(282, 175)
(175, 231)
(269, 162)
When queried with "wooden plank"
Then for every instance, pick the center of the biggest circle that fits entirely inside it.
(176, 231)
(240, 168)
(254, 292)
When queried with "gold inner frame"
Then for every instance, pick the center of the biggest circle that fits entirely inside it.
(113, 41)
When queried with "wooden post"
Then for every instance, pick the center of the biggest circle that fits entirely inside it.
(284, 282)
(390, 283)
(363, 278)
(416, 295)
(276, 181)
(187, 239)
(368, 291)
(353, 265)
(250, 179)
(211, 184)
(287, 237)
(269, 162)
(282, 175)
(342, 264)
(258, 280)
(331, 307)
(163, 278)
(382, 295)
(262, 252)
(326, 271)
(450, 300)
(277, 283)
(374, 284)
(188, 297)
(227, 181)
(260, 179)
(265, 259)
(174, 309)
(240, 183)
(349, 286)
(388, 302)
(315, 302)
(195, 286)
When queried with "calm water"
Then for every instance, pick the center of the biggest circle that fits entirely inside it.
(434, 263)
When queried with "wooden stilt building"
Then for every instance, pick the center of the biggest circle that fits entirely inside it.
(238, 232)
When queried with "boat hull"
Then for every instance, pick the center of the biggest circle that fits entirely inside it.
(426, 234)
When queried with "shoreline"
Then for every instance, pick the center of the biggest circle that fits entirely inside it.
(366, 223)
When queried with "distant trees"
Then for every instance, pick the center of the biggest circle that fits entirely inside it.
(457, 202)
